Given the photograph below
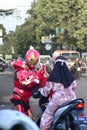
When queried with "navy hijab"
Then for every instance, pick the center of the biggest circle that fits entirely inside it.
(61, 73)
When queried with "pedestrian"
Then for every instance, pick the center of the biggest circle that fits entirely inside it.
(62, 84)
(25, 78)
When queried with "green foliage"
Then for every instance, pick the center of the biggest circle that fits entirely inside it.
(70, 16)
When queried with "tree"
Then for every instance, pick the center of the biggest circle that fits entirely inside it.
(44, 16)
(67, 14)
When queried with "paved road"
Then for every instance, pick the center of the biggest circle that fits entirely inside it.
(81, 90)
(6, 87)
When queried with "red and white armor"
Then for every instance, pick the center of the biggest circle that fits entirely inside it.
(25, 77)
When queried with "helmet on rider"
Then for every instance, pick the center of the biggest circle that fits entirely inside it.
(55, 55)
(32, 57)
(17, 121)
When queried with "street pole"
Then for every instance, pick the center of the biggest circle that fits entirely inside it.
(52, 42)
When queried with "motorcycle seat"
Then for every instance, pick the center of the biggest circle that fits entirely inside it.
(71, 102)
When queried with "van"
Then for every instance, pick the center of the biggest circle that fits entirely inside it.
(68, 54)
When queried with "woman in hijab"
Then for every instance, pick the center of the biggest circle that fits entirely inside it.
(62, 85)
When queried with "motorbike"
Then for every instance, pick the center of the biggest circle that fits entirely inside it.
(83, 67)
(76, 71)
(69, 116)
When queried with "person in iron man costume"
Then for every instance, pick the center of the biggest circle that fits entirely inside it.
(25, 78)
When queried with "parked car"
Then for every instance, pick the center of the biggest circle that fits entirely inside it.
(2, 65)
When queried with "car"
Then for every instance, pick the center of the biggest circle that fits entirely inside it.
(2, 65)
(44, 59)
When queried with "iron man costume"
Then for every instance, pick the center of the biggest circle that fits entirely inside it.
(26, 77)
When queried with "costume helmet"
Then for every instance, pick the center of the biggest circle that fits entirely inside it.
(32, 57)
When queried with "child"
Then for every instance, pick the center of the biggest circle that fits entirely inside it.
(62, 84)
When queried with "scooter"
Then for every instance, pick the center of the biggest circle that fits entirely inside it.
(76, 71)
(69, 116)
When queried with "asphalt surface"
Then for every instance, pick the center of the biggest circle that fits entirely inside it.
(81, 92)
